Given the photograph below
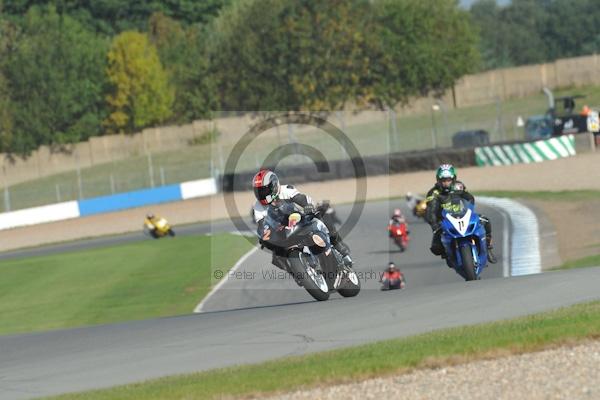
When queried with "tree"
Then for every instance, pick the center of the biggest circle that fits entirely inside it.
(494, 34)
(111, 17)
(54, 76)
(524, 22)
(572, 28)
(535, 31)
(332, 41)
(427, 46)
(8, 34)
(249, 57)
(141, 95)
(282, 54)
(182, 52)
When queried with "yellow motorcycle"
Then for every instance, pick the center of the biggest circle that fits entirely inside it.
(157, 227)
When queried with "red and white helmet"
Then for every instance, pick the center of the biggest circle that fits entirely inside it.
(397, 212)
(266, 186)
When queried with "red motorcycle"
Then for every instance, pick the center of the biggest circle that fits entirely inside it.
(399, 233)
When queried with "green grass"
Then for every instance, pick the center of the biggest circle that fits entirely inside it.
(148, 279)
(563, 195)
(590, 261)
(443, 347)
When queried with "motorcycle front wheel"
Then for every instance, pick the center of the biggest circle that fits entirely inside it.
(312, 280)
(400, 243)
(468, 264)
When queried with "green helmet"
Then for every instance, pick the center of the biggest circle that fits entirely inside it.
(445, 171)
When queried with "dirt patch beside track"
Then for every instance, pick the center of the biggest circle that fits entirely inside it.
(576, 224)
(565, 174)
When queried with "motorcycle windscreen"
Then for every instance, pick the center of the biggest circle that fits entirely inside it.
(457, 207)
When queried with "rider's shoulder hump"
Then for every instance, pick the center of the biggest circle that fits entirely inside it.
(288, 191)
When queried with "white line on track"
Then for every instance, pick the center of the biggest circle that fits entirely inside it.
(200, 305)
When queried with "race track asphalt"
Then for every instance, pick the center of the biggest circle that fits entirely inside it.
(250, 319)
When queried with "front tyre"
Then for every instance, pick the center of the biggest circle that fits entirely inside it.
(400, 243)
(171, 232)
(312, 280)
(468, 264)
(350, 285)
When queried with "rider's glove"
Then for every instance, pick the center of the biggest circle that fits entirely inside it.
(309, 209)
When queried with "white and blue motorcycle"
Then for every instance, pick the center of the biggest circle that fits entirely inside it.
(463, 237)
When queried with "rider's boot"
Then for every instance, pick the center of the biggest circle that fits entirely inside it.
(345, 252)
(341, 247)
(490, 250)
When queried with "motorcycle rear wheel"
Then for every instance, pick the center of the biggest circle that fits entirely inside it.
(351, 285)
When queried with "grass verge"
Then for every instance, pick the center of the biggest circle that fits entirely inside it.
(134, 281)
(591, 261)
(445, 347)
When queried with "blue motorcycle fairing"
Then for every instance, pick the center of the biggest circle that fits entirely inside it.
(474, 237)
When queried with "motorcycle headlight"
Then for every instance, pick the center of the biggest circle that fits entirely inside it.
(318, 240)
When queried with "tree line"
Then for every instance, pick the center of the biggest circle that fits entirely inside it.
(536, 31)
(71, 69)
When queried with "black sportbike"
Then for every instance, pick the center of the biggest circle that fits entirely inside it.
(303, 240)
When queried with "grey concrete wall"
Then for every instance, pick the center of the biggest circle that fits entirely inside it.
(585, 143)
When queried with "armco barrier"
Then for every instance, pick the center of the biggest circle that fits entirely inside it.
(39, 215)
(203, 187)
(343, 169)
(121, 201)
(517, 153)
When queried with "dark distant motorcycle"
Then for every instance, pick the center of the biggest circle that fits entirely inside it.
(311, 259)
(328, 214)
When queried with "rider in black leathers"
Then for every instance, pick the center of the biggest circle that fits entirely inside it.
(438, 197)
(269, 195)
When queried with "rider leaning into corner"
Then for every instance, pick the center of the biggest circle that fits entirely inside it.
(438, 198)
(270, 193)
